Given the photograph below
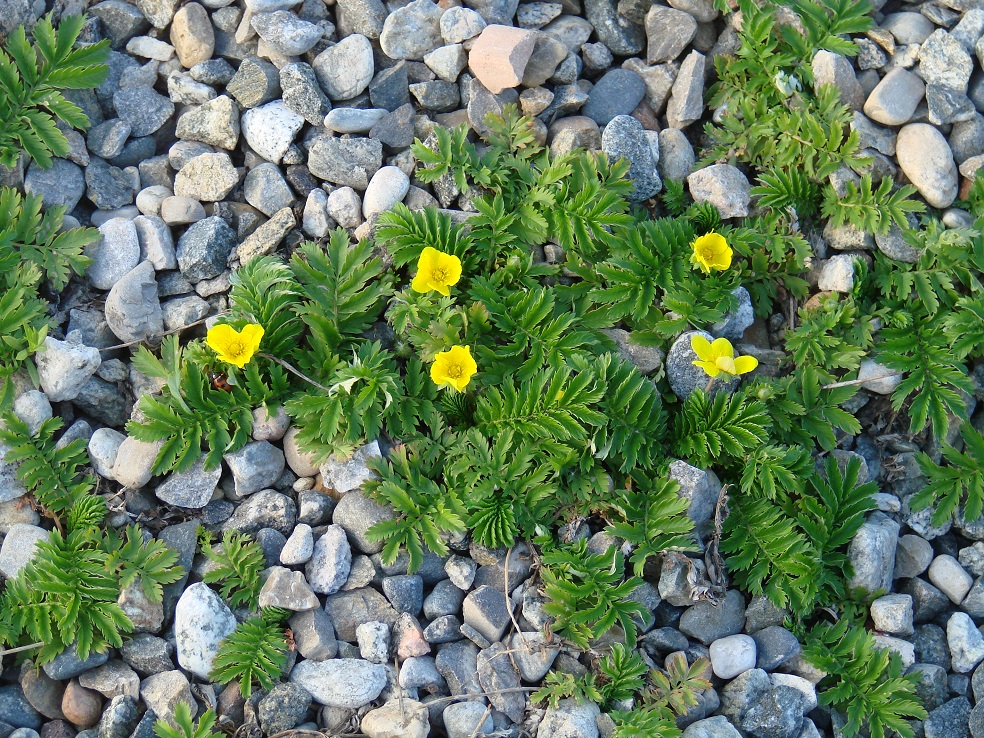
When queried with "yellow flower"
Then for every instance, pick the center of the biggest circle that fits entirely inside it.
(232, 346)
(711, 251)
(719, 357)
(454, 368)
(436, 271)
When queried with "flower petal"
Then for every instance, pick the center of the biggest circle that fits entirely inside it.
(722, 347)
(745, 364)
(441, 287)
(428, 259)
(419, 283)
(710, 368)
(701, 347)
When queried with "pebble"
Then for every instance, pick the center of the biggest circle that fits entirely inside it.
(133, 310)
(345, 683)
(163, 691)
(192, 35)
(893, 614)
(834, 69)
(190, 489)
(121, 717)
(617, 93)
(447, 62)
(201, 621)
(266, 190)
(570, 718)
(948, 720)
(732, 655)
(397, 719)
(926, 159)
(181, 211)
(412, 31)
(625, 137)
(965, 641)
(81, 706)
(686, 103)
(374, 641)
(67, 664)
(270, 129)
(713, 727)
(345, 69)
(354, 120)
(314, 635)
(486, 610)
(299, 547)
(215, 123)
(467, 719)
(837, 274)
(723, 186)
(64, 368)
(946, 573)
(776, 647)
(669, 31)
(283, 708)
(499, 56)
(61, 184)
(707, 622)
(207, 178)
(204, 248)
(19, 546)
(331, 561)
(347, 474)
(287, 589)
(895, 99)
(256, 82)
(388, 186)
(302, 93)
(143, 109)
(287, 33)
(115, 254)
(347, 162)
(944, 61)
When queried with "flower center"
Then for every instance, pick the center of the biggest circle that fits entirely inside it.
(454, 371)
(440, 274)
(706, 253)
(236, 348)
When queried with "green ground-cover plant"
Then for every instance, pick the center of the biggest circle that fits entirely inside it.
(236, 567)
(255, 652)
(67, 595)
(34, 250)
(184, 725)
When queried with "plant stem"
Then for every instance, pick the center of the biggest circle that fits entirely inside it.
(29, 647)
(294, 371)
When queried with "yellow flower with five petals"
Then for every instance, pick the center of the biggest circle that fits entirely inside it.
(232, 346)
(711, 251)
(719, 357)
(453, 368)
(436, 271)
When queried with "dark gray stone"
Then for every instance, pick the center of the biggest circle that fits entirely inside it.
(345, 161)
(625, 137)
(265, 509)
(120, 718)
(707, 622)
(349, 609)
(927, 600)
(947, 105)
(950, 720)
(931, 646)
(108, 138)
(314, 634)
(143, 109)
(302, 93)
(396, 129)
(213, 72)
(623, 37)
(356, 513)
(775, 646)
(405, 592)
(436, 95)
(121, 21)
(67, 664)
(272, 542)
(776, 714)
(444, 629)
(931, 687)
(107, 186)
(445, 599)
(15, 710)
(498, 675)
(256, 82)
(204, 248)
(390, 89)
(458, 664)
(147, 653)
(619, 92)
(63, 183)
(283, 708)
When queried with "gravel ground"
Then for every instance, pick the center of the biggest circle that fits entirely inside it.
(227, 130)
